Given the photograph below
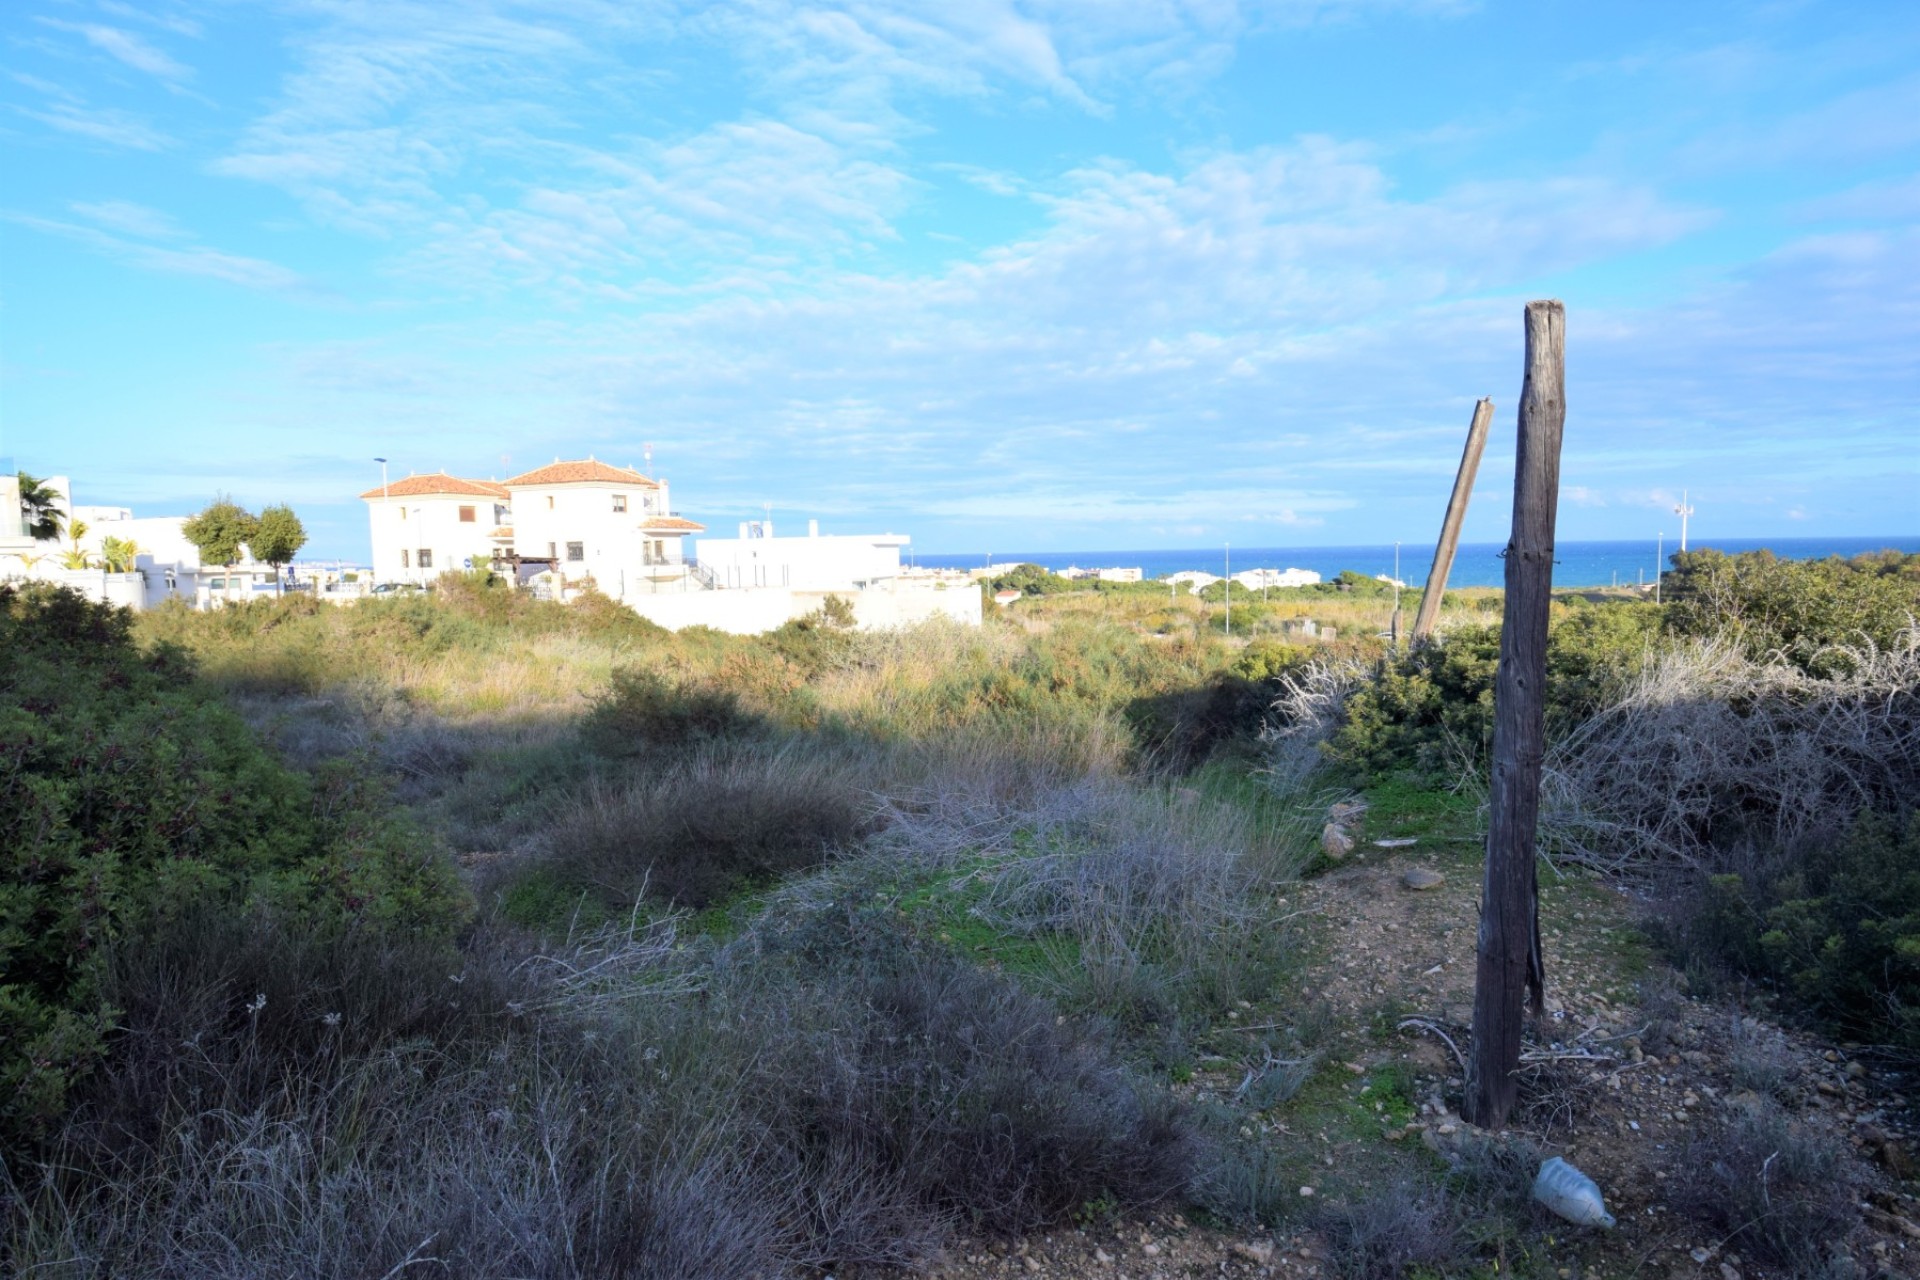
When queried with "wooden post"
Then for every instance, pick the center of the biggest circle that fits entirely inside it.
(1449, 542)
(1509, 963)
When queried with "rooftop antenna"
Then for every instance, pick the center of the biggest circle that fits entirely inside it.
(646, 451)
(1683, 511)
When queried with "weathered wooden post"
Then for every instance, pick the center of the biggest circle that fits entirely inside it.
(1449, 543)
(1510, 967)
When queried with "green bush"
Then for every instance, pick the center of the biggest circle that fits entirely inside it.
(1798, 607)
(130, 796)
(1431, 710)
(644, 709)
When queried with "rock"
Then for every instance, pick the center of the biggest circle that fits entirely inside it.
(1032, 1264)
(1857, 1070)
(1748, 1101)
(1335, 842)
(1423, 878)
(1727, 1272)
(1700, 1256)
(1258, 1252)
(1102, 1257)
(1306, 1193)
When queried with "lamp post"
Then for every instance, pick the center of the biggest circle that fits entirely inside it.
(386, 502)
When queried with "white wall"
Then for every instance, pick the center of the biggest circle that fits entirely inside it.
(752, 612)
(431, 522)
(840, 562)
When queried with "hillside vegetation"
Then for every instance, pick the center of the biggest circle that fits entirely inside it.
(477, 936)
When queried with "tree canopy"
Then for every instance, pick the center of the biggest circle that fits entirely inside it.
(220, 530)
(40, 508)
(279, 535)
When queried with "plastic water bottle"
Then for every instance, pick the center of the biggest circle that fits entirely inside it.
(1571, 1194)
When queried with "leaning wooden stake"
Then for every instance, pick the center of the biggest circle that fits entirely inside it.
(1509, 968)
(1449, 542)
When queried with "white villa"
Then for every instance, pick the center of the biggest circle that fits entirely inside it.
(573, 524)
(574, 520)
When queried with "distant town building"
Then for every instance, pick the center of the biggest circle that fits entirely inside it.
(1194, 580)
(1276, 579)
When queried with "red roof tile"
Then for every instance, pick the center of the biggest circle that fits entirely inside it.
(437, 486)
(673, 524)
(587, 472)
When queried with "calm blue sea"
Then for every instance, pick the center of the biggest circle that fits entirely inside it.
(1581, 564)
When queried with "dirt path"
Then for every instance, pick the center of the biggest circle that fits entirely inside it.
(1627, 1078)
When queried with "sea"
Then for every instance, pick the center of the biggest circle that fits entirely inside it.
(1478, 564)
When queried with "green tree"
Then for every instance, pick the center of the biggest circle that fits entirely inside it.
(220, 531)
(75, 559)
(119, 554)
(278, 537)
(40, 508)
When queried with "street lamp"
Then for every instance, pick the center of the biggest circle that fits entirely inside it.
(386, 500)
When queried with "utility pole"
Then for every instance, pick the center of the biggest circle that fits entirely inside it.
(1393, 623)
(1659, 564)
(1449, 544)
(1509, 975)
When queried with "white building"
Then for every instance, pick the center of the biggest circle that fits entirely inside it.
(571, 524)
(593, 520)
(1195, 580)
(426, 525)
(1256, 579)
(572, 521)
(165, 564)
(816, 562)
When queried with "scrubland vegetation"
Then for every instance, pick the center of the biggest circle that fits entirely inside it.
(471, 935)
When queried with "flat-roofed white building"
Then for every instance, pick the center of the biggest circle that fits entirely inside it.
(817, 562)
(425, 525)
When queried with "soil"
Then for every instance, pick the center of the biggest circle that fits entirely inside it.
(1622, 1075)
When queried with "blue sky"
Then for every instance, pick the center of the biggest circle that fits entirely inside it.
(1060, 274)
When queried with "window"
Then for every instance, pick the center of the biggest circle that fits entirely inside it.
(403, 513)
(466, 515)
(549, 502)
(660, 552)
(619, 504)
(501, 513)
(404, 562)
(576, 551)
(426, 558)
(553, 552)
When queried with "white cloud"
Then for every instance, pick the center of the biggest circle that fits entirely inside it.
(130, 218)
(174, 259)
(102, 124)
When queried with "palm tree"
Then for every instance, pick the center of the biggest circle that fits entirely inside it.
(75, 559)
(120, 554)
(40, 508)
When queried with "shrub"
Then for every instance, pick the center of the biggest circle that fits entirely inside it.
(1783, 1194)
(129, 796)
(1799, 608)
(700, 828)
(644, 709)
(1400, 1231)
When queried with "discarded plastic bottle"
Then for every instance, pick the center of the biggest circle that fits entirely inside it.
(1571, 1194)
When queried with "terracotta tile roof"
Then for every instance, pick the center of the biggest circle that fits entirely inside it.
(504, 531)
(673, 524)
(587, 472)
(437, 485)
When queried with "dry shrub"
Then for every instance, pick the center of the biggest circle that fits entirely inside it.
(697, 829)
(1400, 1231)
(1781, 1193)
(1708, 747)
(1308, 711)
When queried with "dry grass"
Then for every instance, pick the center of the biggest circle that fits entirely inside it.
(1707, 748)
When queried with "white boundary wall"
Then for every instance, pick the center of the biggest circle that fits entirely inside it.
(752, 612)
